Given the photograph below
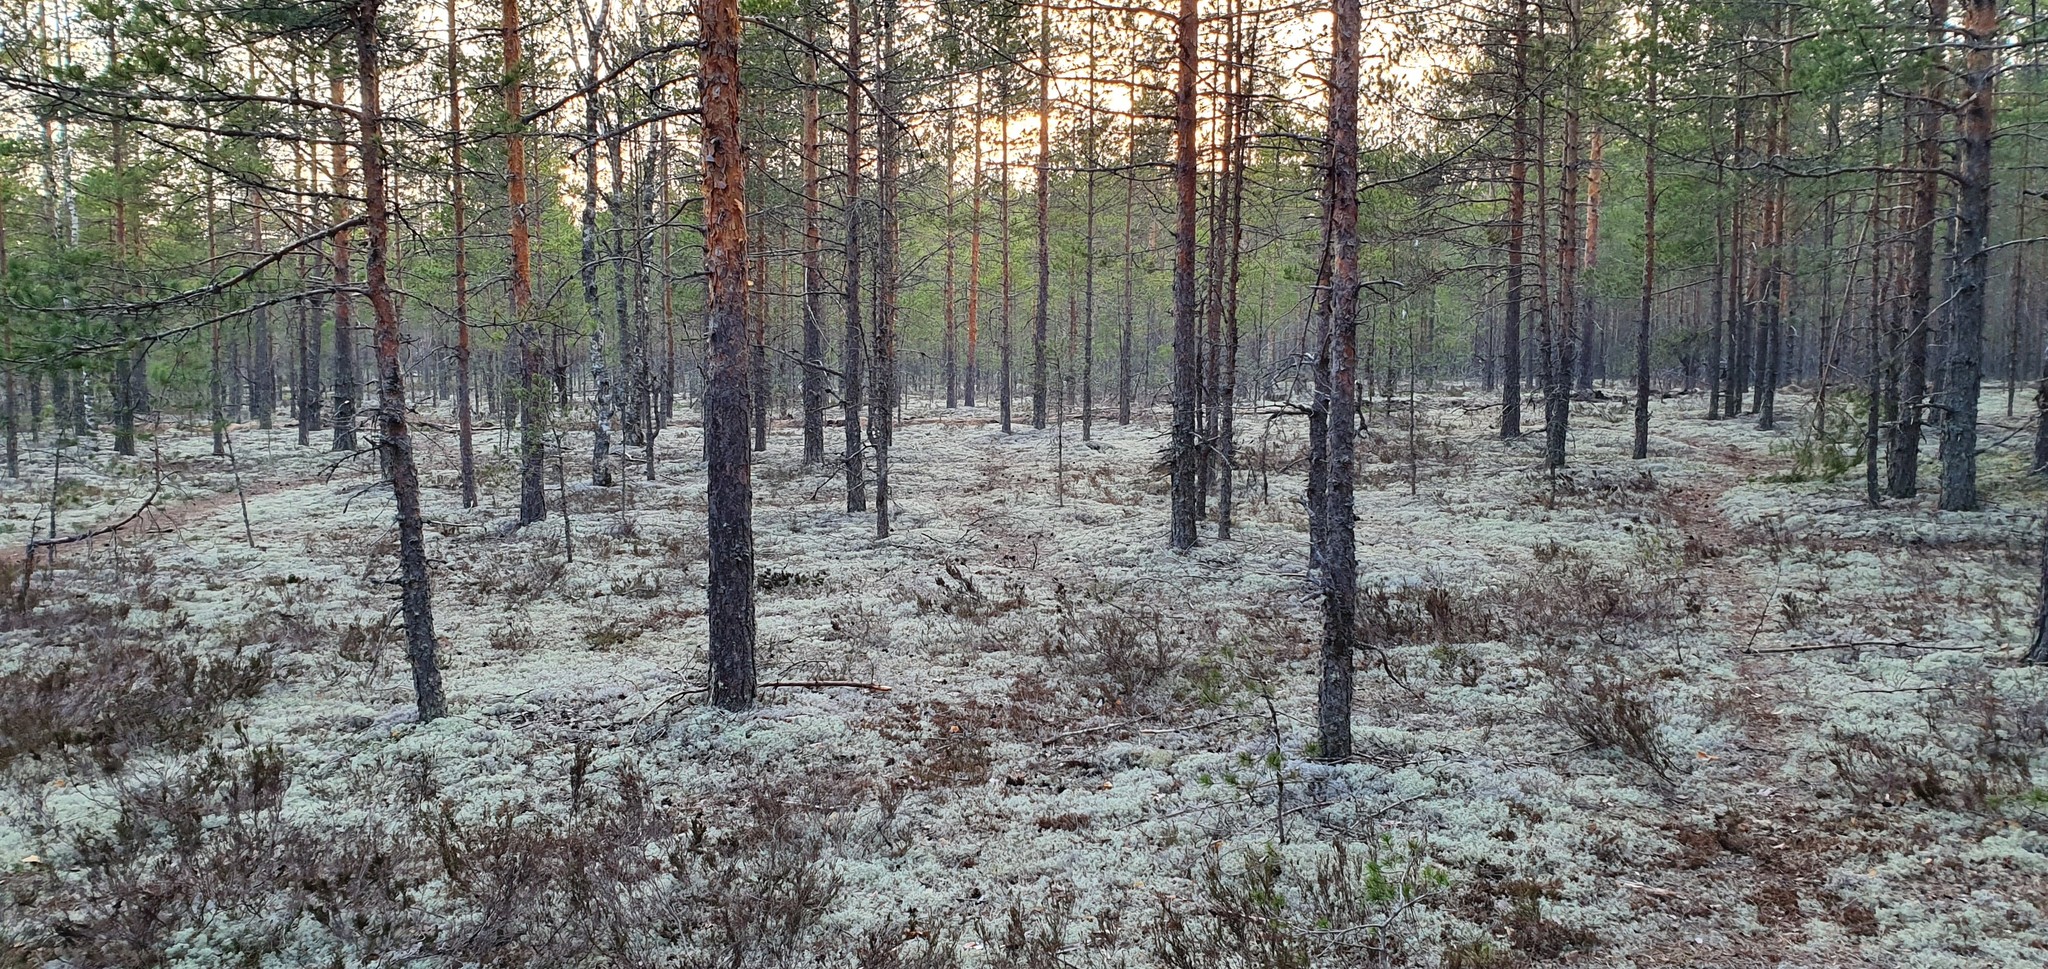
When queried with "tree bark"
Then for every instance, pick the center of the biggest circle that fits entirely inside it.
(1184, 454)
(974, 184)
(729, 476)
(1005, 345)
(813, 262)
(1716, 363)
(532, 402)
(1340, 545)
(881, 425)
(1558, 416)
(11, 416)
(949, 350)
(850, 398)
(1088, 253)
(416, 595)
(465, 421)
(1043, 192)
(1641, 447)
(1589, 357)
(1904, 476)
(347, 381)
(1518, 187)
(1238, 107)
(1972, 261)
(1124, 388)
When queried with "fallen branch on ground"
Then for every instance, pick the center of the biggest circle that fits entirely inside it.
(1862, 644)
(28, 561)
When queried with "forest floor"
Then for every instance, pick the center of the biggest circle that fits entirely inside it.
(1706, 709)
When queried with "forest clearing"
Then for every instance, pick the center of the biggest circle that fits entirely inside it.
(1675, 712)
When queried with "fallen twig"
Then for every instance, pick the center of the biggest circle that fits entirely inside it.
(28, 564)
(1862, 644)
(821, 684)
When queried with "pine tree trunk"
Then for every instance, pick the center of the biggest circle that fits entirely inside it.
(881, 402)
(11, 416)
(1005, 345)
(1973, 263)
(1518, 185)
(217, 377)
(262, 346)
(850, 394)
(465, 426)
(125, 378)
(1340, 544)
(729, 477)
(974, 184)
(1091, 159)
(1905, 452)
(1873, 490)
(1641, 442)
(1043, 194)
(395, 439)
(1558, 416)
(1738, 302)
(1125, 390)
(1716, 363)
(532, 393)
(949, 350)
(759, 392)
(347, 381)
(1184, 453)
(1588, 347)
(813, 263)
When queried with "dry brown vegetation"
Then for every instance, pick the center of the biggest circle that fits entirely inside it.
(1667, 714)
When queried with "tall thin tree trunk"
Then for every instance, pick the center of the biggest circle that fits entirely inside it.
(1905, 453)
(1716, 362)
(1238, 107)
(217, 378)
(813, 262)
(12, 414)
(1558, 418)
(758, 361)
(587, 265)
(1589, 358)
(532, 403)
(881, 428)
(974, 184)
(1043, 194)
(1772, 371)
(1125, 390)
(465, 420)
(395, 440)
(1340, 543)
(262, 350)
(1091, 160)
(306, 395)
(949, 350)
(1006, 346)
(729, 477)
(1641, 448)
(1184, 453)
(347, 381)
(850, 398)
(1518, 186)
(1873, 491)
(130, 367)
(1965, 353)
(1738, 301)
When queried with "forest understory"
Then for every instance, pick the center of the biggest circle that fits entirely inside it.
(1705, 709)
